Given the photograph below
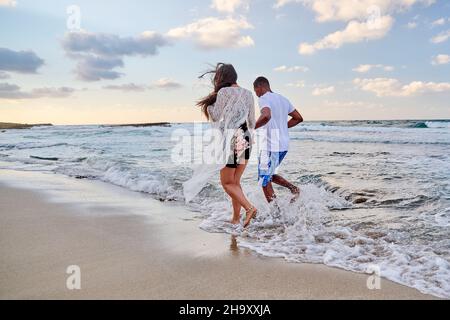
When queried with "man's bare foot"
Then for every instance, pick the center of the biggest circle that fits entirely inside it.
(296, 192)
(251, 213)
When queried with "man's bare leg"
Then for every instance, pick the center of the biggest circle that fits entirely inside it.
(269, 193)
(284, 183)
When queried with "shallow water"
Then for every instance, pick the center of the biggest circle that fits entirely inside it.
(374, 193)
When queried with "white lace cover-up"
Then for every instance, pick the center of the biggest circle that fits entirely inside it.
(234, 106)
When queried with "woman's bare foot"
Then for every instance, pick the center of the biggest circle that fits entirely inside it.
(235, 218)
(233, 221)
(251, 213)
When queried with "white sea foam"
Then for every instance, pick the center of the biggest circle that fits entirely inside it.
(385, 135)
(438, 124)
(307, 232)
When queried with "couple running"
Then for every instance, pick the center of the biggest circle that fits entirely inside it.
(231, 110)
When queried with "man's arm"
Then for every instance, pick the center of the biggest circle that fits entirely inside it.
(265, 117)
(296, 118)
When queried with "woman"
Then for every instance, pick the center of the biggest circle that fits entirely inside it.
(232, 111)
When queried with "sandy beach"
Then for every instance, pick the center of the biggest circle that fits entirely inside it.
(134, 247)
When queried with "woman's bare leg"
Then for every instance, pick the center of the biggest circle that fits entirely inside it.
(227, 178)
(237, 180)
(236, 218)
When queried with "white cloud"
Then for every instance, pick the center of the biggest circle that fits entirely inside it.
(367, 19)
(354, 32)
(363, 68)
(166, 83)
(438, 22)
(163, 83)
(440, 59)
(214, 33)
(98, 54)
(411, 25)
(291, 69)
(351, 104)
(127, 87)
(14, 92)
(297, 84)
(347, 10)
(384, 87)
(441, 37)
(323, 91)
(62, 92)
(19, 61)
(4, 75)
(8, 3)
(229, 6)
(281, 3)
(103, 44)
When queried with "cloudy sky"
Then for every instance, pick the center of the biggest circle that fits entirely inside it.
(104, 61)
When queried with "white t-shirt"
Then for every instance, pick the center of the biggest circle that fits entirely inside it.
(275, 134)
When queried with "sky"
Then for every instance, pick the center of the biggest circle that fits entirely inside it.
(134, 61)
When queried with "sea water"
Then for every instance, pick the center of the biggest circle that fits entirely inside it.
(374, 194)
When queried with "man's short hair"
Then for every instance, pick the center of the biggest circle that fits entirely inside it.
(261, 81)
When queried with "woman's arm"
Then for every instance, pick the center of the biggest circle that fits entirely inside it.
(215, 111)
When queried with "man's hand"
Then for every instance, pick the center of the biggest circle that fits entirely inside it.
(265, 117)
(296, 118)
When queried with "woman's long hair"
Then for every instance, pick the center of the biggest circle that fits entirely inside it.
(224, 76)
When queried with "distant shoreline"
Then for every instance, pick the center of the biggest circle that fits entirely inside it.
(150, 124)
(10, 125)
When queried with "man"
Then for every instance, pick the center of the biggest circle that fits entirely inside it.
(275, 110)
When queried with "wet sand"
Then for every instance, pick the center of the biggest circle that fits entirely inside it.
(134, 247)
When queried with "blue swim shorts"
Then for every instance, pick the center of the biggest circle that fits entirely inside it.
(268, 162)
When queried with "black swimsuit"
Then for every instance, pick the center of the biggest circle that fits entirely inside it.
(234, 160)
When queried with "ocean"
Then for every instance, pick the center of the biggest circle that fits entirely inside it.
(375, 195)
